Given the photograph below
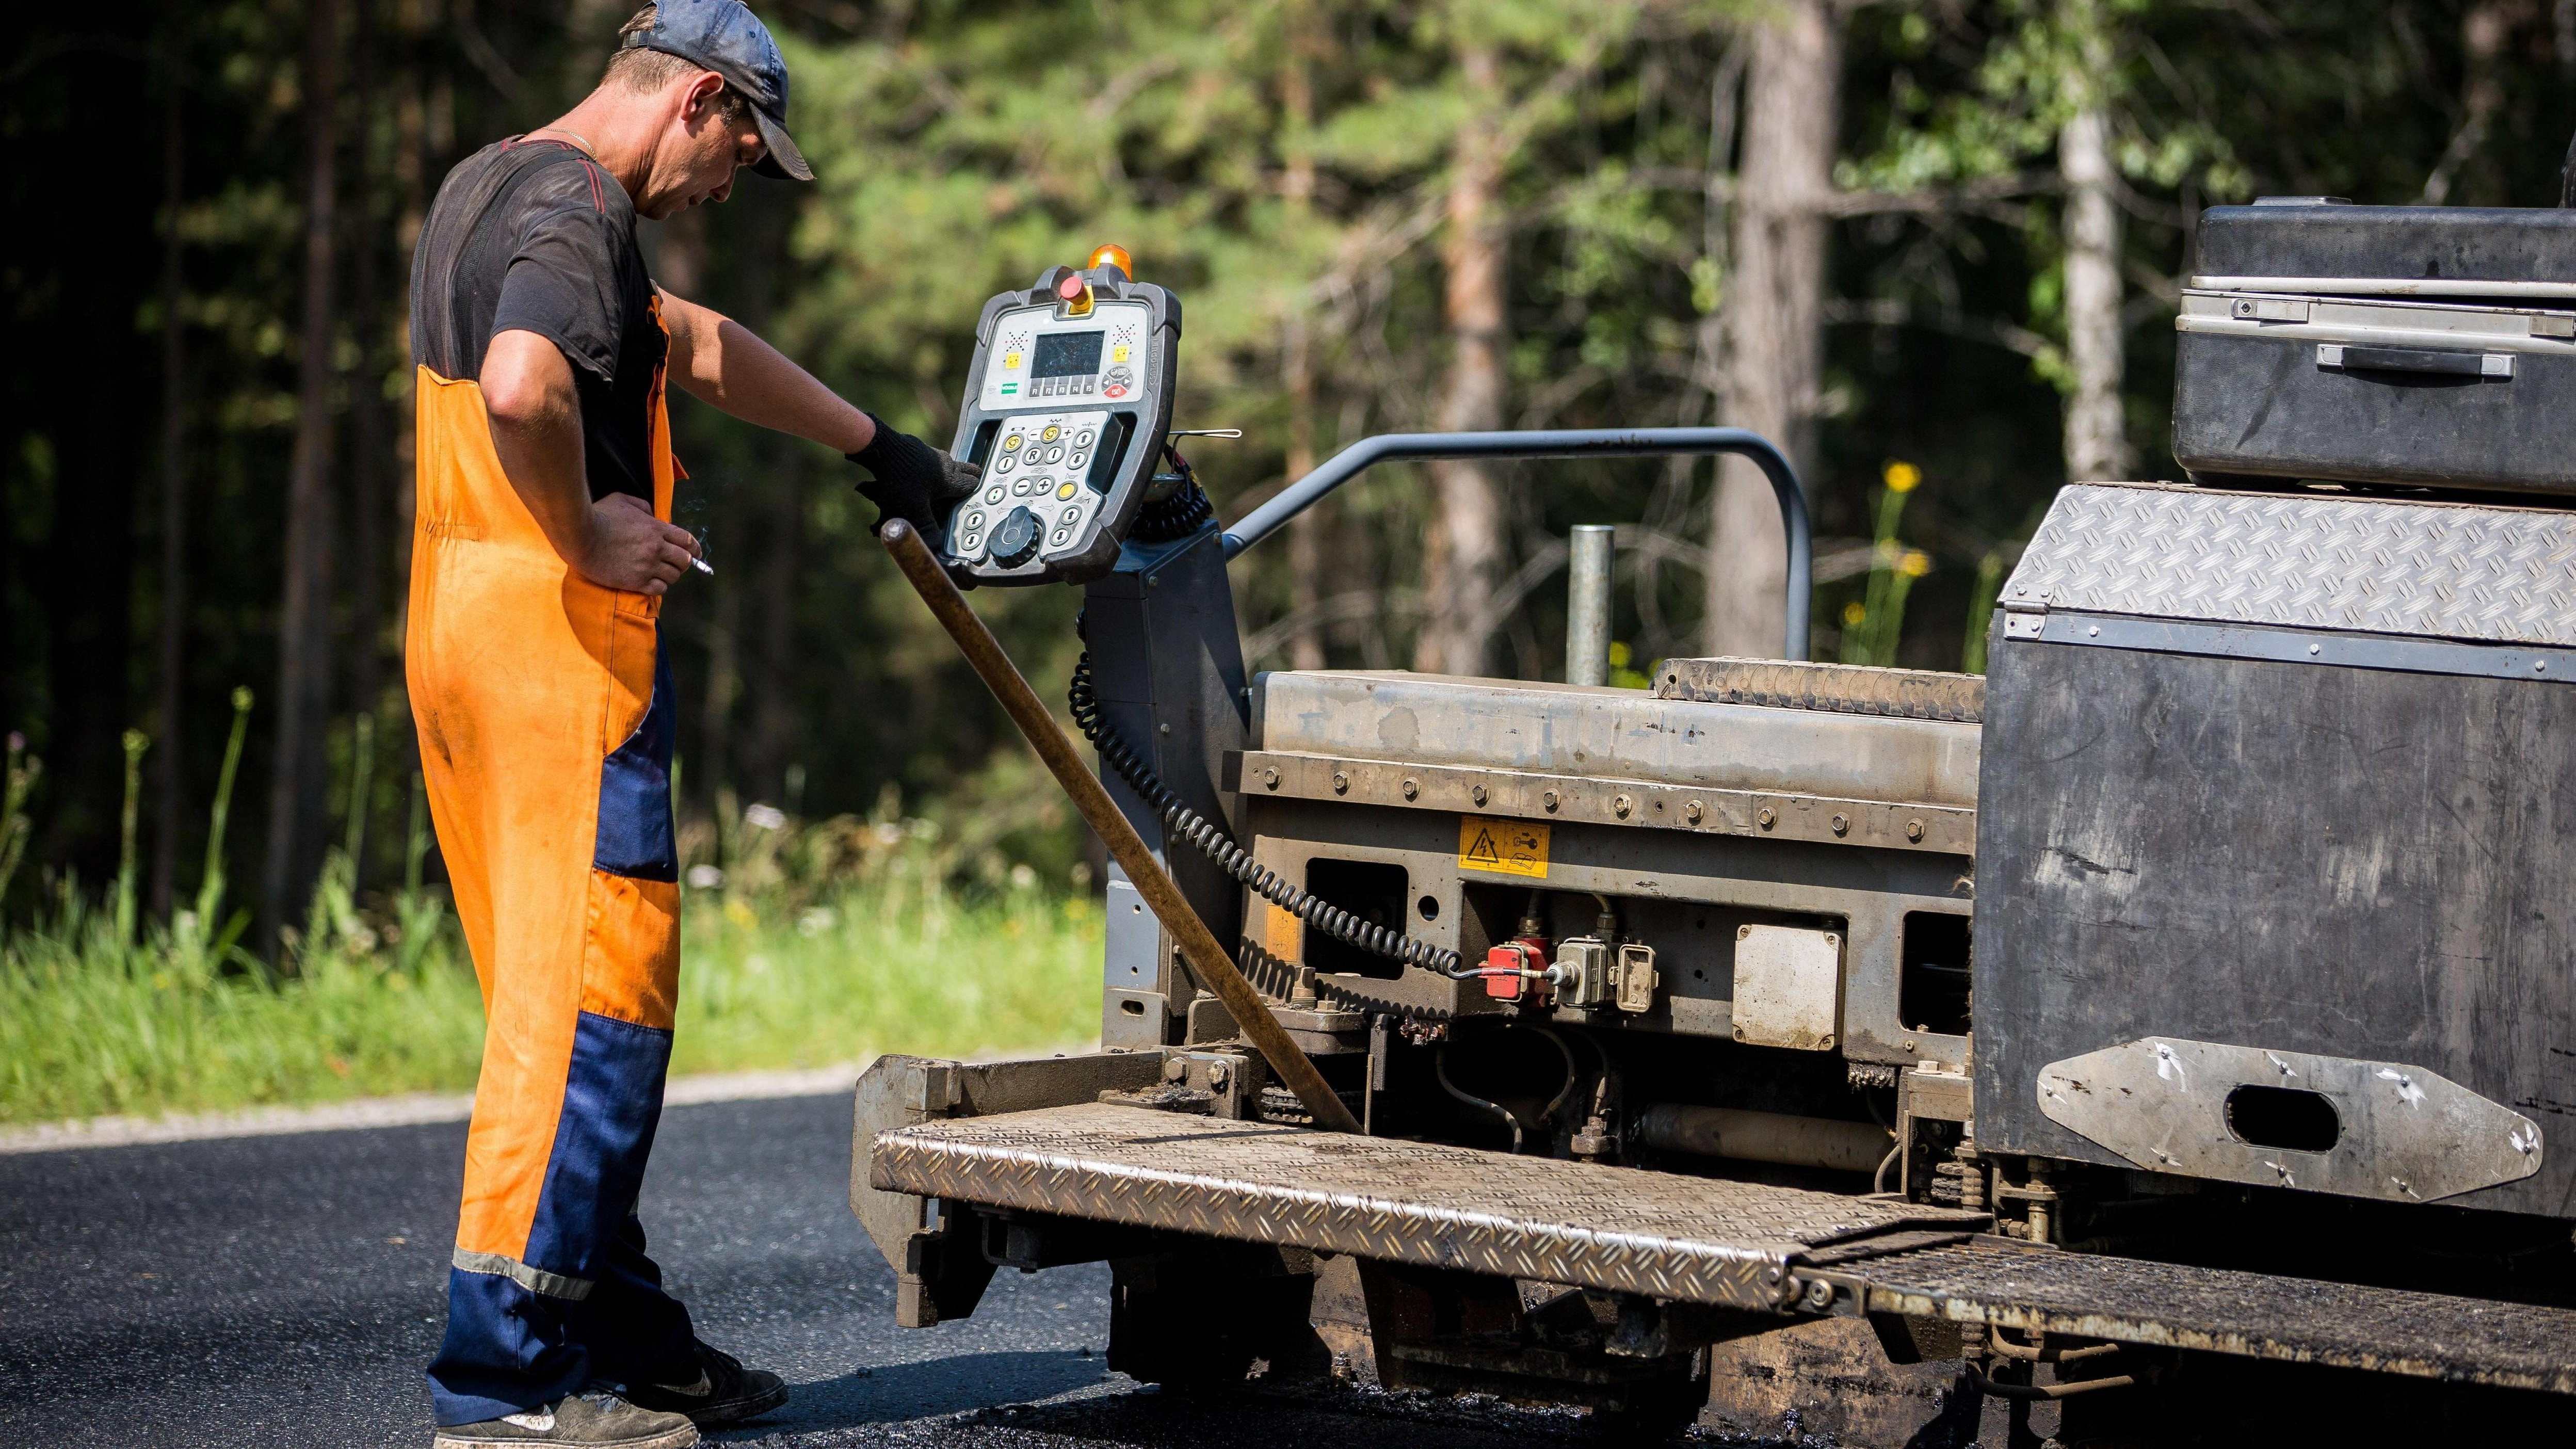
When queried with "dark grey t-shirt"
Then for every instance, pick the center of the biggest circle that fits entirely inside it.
(533, 236)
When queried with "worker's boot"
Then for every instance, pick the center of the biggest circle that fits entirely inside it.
(724, 1392)
(592, 1419)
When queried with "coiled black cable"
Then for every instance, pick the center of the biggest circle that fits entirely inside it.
(1211, 840)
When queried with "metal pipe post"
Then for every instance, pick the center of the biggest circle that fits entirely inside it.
(1206, 959)
(1587, 604)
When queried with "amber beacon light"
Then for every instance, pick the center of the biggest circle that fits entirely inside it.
(1113, 255)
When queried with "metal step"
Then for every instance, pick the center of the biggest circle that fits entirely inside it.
(1691, 1239)
(2301, 1320)
(1687, 1239)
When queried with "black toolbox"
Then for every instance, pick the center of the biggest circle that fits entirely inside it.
(2380, 344)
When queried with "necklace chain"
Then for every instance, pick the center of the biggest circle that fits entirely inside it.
(578, 139)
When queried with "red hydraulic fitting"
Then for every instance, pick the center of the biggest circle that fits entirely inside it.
(1511, 969)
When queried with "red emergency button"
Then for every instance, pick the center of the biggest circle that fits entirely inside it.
(1071, 287)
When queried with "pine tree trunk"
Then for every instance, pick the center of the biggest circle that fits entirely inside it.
(1297, 363)
(1773, 310)
(166, 774)
(1463, 554)
(2097, 444)
(296, 817)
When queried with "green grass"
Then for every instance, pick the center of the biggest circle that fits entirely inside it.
(773, 974)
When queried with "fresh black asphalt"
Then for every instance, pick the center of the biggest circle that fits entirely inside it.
(287, 1291)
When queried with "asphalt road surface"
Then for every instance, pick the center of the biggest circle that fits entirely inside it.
(288, 1291)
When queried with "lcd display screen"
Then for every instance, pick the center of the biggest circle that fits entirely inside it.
(1066, 354)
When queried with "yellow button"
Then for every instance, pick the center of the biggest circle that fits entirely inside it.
(1065, 489)
(1051, 433)
(1118, 354)
(1011, 444)
(1011, 361)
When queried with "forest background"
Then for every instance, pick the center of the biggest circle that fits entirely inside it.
(1933, 248)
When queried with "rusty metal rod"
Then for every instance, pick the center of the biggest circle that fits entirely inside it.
(1206, 959)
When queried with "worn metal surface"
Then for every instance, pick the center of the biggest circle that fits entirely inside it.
(1561, 729)
(1788, 982)
(1684, 893)
(1832, 688)
(1605, 800)
(2365, 864)
(2258, 1315)
(1694, 1239)
(2406, 1134)
(1167, 670)
(2444, 571)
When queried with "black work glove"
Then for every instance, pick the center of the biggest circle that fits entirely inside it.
(913, 481)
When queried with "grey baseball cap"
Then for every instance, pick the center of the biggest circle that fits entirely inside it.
(725, 37)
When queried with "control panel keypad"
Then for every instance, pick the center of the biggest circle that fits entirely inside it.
(1039, 464)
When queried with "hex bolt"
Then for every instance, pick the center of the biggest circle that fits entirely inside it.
(1175, 1069)
(1548, 799)
(1341, 783)
(1914, 830)
(1166, 729)
(1764, 817)
(1270, 778)
(1216, 1076)
(1690, 811)
(1411, 789)
(1842, 825)
(1477, 794)
(1620, 805)
(1819, 1295)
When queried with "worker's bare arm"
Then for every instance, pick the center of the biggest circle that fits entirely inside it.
(717, 360)
(536, 431)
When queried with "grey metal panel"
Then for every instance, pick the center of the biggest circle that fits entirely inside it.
(2355, 863)
(1699, 1240)
(2295, 646)
(2402, 1133)
(2444, 571)
(2258, 1315)
(1580, 730)
(1607, 800)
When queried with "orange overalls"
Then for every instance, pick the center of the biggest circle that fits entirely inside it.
(546, 721)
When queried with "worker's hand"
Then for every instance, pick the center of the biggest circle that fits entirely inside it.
(914, 481)
(630, 549)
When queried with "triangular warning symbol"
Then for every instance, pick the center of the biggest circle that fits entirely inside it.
(1484, 849)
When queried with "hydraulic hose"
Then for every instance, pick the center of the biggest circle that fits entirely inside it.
(1211, 839)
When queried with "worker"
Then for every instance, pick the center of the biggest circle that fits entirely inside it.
(542, 555)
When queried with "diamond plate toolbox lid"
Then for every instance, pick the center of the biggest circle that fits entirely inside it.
(2304, 561)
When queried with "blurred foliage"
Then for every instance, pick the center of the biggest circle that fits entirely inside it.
(1280, 163)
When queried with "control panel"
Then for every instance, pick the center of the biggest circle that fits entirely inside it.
(1066, 407)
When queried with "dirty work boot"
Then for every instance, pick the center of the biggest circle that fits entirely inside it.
(592, 1419)
(725, 1391)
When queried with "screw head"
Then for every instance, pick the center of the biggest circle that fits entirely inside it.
(1270, 778)
(1690, 811)
(1914, 830)
(1411, 789)
(1765, 817)
(1341, 783)
(1217, 1075)
(1842, 825)
(1820, 1295)
(1477, 794)
(1620, 805)
(1548, 799)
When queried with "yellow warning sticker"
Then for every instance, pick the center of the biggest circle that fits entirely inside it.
(1503, 847)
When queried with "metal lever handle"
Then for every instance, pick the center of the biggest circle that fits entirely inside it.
(1350, 462)
(1207, 960)
(2424, 360)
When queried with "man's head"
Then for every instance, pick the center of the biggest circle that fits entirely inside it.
(715, 89)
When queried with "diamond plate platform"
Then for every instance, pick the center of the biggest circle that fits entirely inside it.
(2442, 571)
(1697, 1240)
(2385, 1330)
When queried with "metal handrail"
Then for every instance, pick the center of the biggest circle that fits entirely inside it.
(1350, 462)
